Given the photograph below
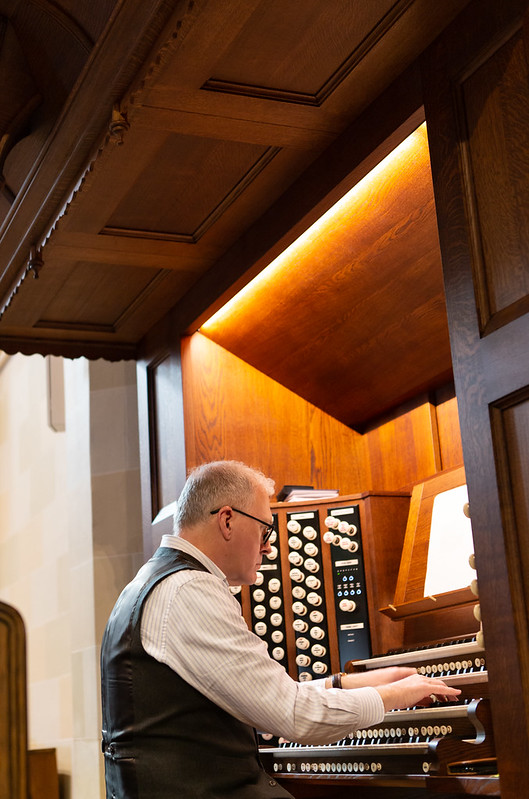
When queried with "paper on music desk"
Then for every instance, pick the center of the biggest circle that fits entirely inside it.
(450, 545)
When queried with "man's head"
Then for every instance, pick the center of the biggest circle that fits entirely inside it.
(233, 540)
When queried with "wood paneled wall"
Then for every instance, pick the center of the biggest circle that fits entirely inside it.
(231, 410)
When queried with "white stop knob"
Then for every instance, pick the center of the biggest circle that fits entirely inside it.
(299, 608)
(294, 542)
(296, 575)
(300, 626)
(293, 526)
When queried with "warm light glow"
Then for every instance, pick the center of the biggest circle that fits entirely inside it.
(387, 170)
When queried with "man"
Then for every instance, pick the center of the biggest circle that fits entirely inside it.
(184, 682)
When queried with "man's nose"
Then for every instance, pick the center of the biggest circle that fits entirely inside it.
(266, 547)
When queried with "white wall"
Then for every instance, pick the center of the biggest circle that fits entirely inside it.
(70, 538)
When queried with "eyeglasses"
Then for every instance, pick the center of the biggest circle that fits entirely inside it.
(268, 528)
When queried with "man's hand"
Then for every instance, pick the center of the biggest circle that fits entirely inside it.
(415, 690)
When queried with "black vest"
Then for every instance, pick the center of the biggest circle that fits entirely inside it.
(163, 739)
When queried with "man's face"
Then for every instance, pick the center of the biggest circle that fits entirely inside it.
(247, 541)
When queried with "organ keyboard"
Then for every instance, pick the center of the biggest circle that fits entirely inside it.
(458, 663)
(444, 740)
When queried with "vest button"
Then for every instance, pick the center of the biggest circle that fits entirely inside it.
(272, 783)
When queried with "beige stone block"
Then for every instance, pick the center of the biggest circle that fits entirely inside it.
(37, 551)
(54, 524)
(64, 583)
(13, 551)
(4, 419)
(80, 525)
(106, 374)
(66, 711)
(56, 654)
(111, 575)
(42, 486)
(64, 757)
(82, 609)
(43, 716)
(43, 594)
(85, 682)
(114, 430)
(35, 649)
(116, 513)
(86, 770)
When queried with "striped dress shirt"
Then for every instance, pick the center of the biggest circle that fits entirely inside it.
(192, 623)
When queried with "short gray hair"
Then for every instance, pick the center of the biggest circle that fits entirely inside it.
(212, 485)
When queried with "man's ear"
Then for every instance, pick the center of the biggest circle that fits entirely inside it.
(225, 522)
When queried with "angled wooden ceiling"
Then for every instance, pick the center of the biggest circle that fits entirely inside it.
(174, 163)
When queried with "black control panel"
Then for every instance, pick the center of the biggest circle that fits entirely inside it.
(343, 534)
(268, 603)
(310, 600)
(308, 595)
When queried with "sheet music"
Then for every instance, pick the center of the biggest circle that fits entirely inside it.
(450, 545)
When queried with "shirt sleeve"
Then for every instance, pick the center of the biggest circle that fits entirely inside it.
(192, 623)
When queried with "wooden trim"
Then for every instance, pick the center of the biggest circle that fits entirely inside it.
(14, 703)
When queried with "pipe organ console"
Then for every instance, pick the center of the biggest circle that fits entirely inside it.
(325, 601)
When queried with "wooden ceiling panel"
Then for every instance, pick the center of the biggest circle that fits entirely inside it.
(129, 301)
(353, 318)
(187, 187)
(298, 54)
(90, 286)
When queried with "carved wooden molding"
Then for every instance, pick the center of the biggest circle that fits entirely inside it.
(118, 351)
(35, 262)
(119, 124)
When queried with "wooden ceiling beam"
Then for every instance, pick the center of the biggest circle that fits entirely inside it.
(128, 252)
(263, 130)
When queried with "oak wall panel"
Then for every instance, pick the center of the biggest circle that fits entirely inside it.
(404, 449)
(231, 410)
(498, 179)
(450, 447)
(510, 420)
